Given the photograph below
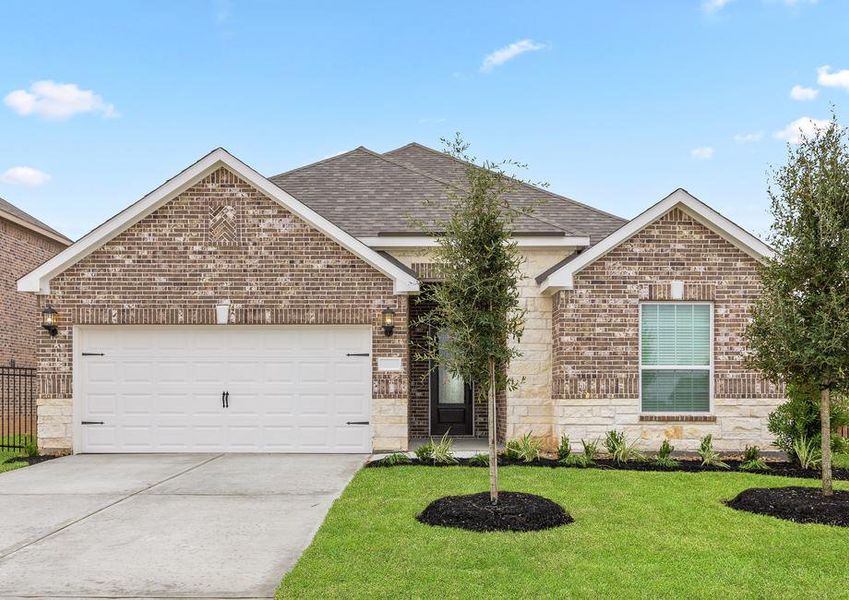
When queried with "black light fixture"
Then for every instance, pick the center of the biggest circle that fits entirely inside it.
(48, 320)
(388, 321)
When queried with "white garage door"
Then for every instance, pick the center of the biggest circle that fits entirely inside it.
(223, 389)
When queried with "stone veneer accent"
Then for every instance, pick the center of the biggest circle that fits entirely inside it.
(528, 409)
(596, 341)
(20, 320)
(170, 269)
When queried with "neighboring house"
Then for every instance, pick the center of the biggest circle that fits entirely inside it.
(633, 325)
(25, 243)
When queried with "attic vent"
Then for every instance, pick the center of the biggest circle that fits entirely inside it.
(223, 226)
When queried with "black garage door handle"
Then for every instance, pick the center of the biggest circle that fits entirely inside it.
(357, 423)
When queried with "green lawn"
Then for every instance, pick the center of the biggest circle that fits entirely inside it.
(636, 535)
(6, 455)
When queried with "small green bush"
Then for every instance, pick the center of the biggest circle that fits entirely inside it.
(479, 460)
(664, 456)
(396, 458)
(564, 449)
(807, 452)
(590, 451)
(800, 416)
(619, 448)
(526, 448)
(752, 460)
(709, 456)
(425, 452)
(31, 449)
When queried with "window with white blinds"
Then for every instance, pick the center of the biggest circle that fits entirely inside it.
(675, 351)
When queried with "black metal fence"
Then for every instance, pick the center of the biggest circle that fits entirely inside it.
(17, 407)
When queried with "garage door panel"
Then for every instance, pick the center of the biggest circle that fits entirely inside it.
(290, 389)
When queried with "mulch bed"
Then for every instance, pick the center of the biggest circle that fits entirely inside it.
(776, 468)
(515, 511)
(30, 460)
(799, 504)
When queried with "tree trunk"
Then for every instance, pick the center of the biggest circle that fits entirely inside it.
(493, 446)
(825, 429)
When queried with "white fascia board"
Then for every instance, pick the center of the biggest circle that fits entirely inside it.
(33, 227)
(563, 278)
(38, 280)
(422, 241)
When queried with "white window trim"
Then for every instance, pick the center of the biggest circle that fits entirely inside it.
(710, 367)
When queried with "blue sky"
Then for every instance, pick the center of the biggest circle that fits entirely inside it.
(613, 103)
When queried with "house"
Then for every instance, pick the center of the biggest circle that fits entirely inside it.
(315, 276)
(25, 243)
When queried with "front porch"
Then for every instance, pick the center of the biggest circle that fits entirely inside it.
(439, 404)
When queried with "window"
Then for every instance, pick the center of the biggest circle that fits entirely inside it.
(675, 357)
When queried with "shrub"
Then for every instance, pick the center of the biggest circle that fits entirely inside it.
(396, 458)
(752, 460)
(800, 416)
(479, 460)
(564, 449)
(619, 448)
(664, 456)
(443, 451)
(807, 452)
(425, 452)
(709, 456)
(590, 451)
(526, 448)
(31, 449)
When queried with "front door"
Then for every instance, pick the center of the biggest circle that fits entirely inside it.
(450, 401)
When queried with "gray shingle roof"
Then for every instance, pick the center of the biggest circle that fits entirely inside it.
(28, 218)
(368, 194)
(548, 205)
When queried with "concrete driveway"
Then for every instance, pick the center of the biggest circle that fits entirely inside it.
(175, 525)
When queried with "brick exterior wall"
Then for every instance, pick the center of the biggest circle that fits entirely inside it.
(596, 338)
(222, 239)
(21, 250)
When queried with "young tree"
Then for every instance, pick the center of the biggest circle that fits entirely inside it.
(477, 299)
(799, 332)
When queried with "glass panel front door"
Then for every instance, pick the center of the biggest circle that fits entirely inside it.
(450, 400)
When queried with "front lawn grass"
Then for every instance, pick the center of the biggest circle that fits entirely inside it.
(7, 455)
(636, 535)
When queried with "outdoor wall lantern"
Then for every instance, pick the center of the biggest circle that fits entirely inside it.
(222, 312)
(48, 320)
(388, 321)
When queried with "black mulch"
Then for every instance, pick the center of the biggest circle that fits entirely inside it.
(30, 460)
(515, 511)
(799, 504)
(777, 468)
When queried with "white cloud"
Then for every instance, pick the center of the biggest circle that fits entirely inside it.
(702, 152)
(800, 128)
(828, 78)
(802, 93)
(712, 6)
(748, 138)
(24, 176)
(502, 55)
(57, 101)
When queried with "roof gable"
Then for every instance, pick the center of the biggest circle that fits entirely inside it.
(39, 279)
(562, 277)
